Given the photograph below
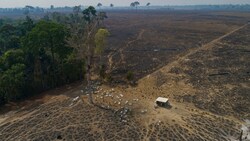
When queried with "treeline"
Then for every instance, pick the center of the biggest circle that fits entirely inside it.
(238, 7)
(39, 10)
(35, 10)
(37, 55)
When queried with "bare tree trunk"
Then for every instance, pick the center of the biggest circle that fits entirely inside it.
(53, 68)
(53, 61)
(88, 69)
(241, 134)
(101, 60)
(89, 57)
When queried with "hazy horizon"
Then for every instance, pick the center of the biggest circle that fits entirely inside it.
(62, 3)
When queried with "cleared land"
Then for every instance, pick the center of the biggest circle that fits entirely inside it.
(144, 42)
(197, 59)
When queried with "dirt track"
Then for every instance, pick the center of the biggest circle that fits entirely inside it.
(120, 52)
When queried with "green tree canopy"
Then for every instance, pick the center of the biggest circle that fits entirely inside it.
(11, 57)
(100, 40)
(12, 81)
(49, 36)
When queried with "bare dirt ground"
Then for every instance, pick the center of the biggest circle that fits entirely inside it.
(207, 83)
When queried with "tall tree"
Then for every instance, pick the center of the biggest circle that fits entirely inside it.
(111, 5)
(148, 4)
(132, 4)
(77, 10)
(1, 22)
(100, 18)
(28, 9)
(77, 25)
(92, 22)
(51, 6)
(25, 26)
(46, 38)
(83, 39)
(11, 75)
(8, 38)
(12, 81)
(99, 5)
(136, 4)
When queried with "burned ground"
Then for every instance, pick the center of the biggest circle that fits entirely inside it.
(144, 42)
(221, 75)
(201, 63)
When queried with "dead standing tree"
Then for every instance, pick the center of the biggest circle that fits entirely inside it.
(83, 39)
(132, 4)
(93, 21)
(135, 4)
(148, 4)
(111, 5)
(99, 5)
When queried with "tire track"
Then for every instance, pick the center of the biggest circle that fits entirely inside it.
(121, 51)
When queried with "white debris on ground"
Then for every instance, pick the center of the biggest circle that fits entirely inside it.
(113, 99)
(117, 99)
(74, 101)
(136, 99)
(246, 131)
(76, 98)
(144, 111)
(123, 114)
(126, 102)
(159, 122)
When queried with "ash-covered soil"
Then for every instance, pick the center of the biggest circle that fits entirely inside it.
(145, 41)
(221, 75)
(205, 75)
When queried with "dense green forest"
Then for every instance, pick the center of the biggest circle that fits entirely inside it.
(37, 55)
